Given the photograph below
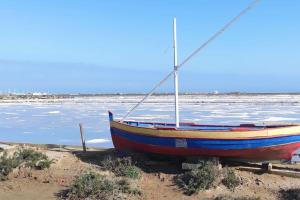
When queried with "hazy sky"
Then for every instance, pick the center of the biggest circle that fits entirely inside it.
(126, 45)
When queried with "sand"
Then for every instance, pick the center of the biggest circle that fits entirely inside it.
(156, 181)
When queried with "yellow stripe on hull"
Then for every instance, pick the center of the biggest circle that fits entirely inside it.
(209, 134)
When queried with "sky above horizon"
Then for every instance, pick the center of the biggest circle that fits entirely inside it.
(126, 46)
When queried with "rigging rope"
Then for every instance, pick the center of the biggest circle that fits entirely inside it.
(212, 38)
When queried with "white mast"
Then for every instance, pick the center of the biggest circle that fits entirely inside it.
(210, 40)
(175, 74)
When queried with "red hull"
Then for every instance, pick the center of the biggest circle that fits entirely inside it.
(266, 153)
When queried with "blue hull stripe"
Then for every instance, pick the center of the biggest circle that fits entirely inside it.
(208, 143)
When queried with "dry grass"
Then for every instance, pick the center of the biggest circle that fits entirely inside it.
(94, 186)
(22, 158)
(198, 179)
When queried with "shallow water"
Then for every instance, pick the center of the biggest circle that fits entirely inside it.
(56, 121)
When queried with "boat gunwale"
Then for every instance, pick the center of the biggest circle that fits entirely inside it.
(206, 131)
(267, 127)
(185, 123)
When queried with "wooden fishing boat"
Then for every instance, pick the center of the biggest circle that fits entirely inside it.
(245, 141)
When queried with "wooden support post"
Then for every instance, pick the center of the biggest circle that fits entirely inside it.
(82, 137)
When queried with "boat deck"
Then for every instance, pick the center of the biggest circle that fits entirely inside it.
(193, 126)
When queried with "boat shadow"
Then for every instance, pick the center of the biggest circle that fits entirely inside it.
(148, 163)
(157, 164)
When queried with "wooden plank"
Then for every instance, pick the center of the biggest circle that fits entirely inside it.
(280, 172)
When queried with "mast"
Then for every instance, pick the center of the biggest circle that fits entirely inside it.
(194, 53)
(175, 74)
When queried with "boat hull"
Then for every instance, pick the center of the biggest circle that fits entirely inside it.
(284, 151)
(254, 143)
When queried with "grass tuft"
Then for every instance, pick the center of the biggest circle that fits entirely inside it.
(7, 164)
(197, 179)
(231, 180)
(121, 166)
(93, 186)
(43, 164)
(236, 198)
(289, 194)
(22, 157)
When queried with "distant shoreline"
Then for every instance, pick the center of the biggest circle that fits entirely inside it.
(5, 98)
(70, 95)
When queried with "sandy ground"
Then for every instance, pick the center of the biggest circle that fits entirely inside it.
(156, 181)
(47, 184)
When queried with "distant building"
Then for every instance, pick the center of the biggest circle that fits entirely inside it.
(38, 93)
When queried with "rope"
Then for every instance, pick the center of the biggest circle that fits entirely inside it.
(212, 38)
(231, 22)
(148, 95)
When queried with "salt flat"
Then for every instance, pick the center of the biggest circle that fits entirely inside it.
(56, 120)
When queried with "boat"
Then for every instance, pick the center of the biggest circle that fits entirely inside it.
(244, 141)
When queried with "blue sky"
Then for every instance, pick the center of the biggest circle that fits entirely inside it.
(126, 46)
